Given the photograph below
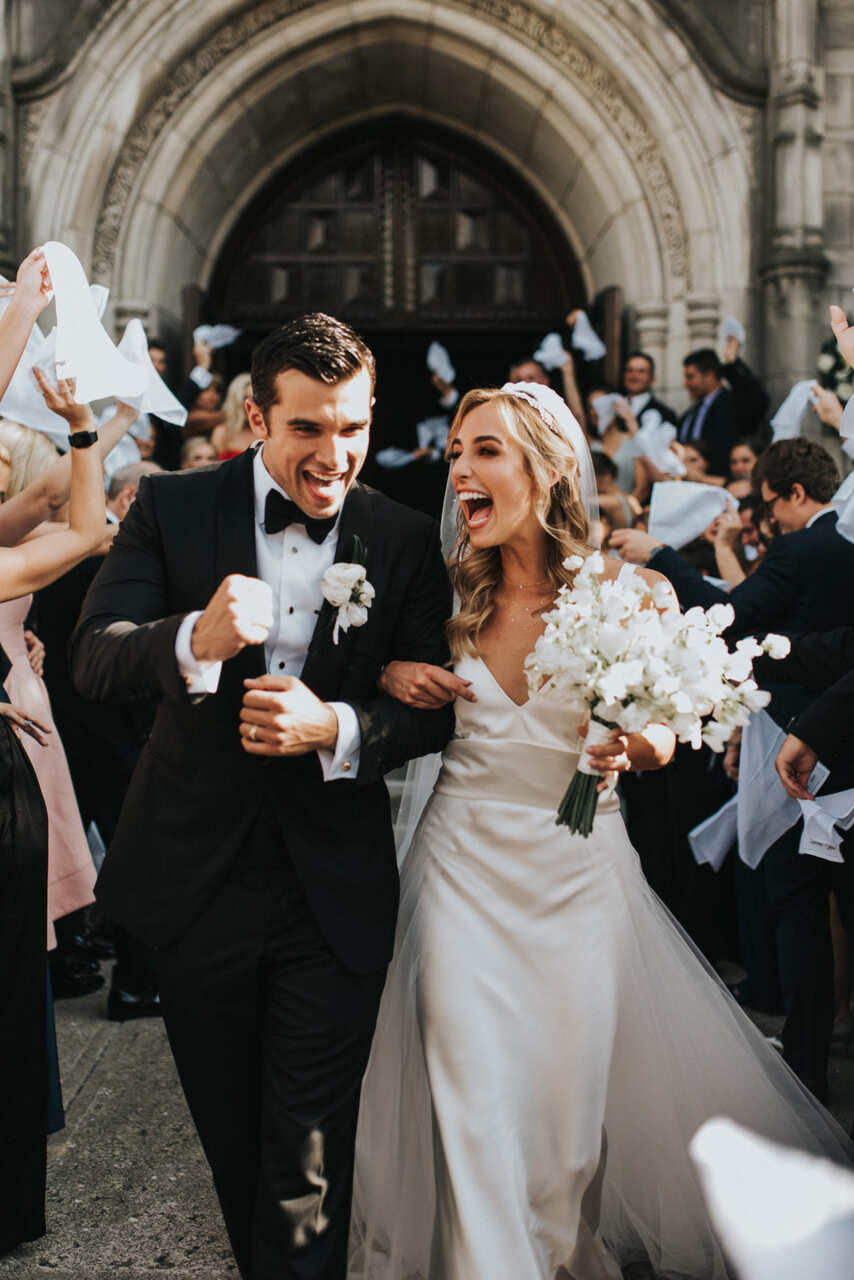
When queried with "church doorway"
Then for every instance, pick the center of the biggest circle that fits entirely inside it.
(411, 233)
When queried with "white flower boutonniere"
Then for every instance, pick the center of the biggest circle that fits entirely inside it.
(347, 589)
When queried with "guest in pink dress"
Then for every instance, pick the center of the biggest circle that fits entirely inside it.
(71, 872)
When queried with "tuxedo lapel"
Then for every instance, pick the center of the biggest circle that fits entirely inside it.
(325, 661)
(235, 549)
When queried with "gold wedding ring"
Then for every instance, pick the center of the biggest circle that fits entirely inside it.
(253, 732)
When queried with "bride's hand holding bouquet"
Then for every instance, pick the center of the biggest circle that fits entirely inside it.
(624, 658)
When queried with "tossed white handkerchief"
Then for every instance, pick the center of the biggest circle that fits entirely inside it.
(551, 353)
(439, 362)
(779, 1213)
(765, 810)
(732, 328)
(432, 433)
(679, 513)
(606, 409)
(653, 441)
(821, 817)
(712, 839)
(846, 426)
(216, 335)
(84, 349)
(585, 338)
(156, 397)
(786, 423)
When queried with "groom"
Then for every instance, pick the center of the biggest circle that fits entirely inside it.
(254, 851)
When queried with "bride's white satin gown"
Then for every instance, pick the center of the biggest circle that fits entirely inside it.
(548, 1041)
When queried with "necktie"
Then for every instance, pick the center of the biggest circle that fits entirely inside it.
(687, 432)
(279, 512)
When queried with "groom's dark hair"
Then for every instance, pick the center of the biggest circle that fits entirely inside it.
(317, 345)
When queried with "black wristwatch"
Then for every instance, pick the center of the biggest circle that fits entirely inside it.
(83, 439)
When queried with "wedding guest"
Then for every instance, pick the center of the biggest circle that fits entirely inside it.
(123, 487)
(530, 370)
(197, 452)
(614, 438)
(803, 583)
(30, 453)
(206, 409)
(23, 819)
(743, 456)
(234, 434)
(720, 415)
(103, 742)
(167, 437)
(638, 380)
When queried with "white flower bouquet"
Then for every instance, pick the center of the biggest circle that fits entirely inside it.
(626, 657)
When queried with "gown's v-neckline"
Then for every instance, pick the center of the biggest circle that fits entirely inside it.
(520, 706)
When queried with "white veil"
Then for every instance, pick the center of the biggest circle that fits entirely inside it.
(421, 774)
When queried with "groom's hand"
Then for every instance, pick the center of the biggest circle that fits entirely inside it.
(239, 613)
(282, 717)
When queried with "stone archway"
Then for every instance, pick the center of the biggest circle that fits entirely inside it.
(637, 169)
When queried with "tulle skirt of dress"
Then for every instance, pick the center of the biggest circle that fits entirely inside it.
(549, 1042)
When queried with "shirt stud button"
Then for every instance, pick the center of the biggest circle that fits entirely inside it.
(281, 666)
(290, 608)
(294, 550)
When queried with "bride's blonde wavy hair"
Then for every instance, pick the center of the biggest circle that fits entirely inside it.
(476, 572)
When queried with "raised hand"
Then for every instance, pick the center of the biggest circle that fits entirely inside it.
(60, 400)
(827, 406)
(240, 612)
(727, 529)
(31, 288)
(843, 332)
(281, 716)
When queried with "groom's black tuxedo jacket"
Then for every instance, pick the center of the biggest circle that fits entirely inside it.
(195, 792)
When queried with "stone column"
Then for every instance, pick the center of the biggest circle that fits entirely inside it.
(703, 321)
(793, 268)
(652, 327)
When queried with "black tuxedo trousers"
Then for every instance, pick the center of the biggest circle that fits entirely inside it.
(271, 1036)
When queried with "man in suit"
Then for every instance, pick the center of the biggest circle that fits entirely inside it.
(720, 414)
(803, 583)
(823, 661)
(638, 380)
(255, 847)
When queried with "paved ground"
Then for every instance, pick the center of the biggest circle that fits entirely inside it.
(129, 1196)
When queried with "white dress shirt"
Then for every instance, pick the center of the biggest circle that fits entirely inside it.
(293, 566)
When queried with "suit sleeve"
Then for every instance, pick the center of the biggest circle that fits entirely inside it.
(817, 660)
(123, 648)
(750, 400)
(763, 598)
(827, 725)
(393, 733)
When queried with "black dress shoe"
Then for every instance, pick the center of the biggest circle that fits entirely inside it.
(93, 946)
(69, 982)
(122, 1006)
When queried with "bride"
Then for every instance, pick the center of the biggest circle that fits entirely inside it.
(548, 1041)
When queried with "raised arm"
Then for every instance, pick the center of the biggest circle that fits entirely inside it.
(34, 564)
(28, 297)
(48, 493)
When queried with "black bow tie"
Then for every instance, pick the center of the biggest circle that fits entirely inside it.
(279, 512)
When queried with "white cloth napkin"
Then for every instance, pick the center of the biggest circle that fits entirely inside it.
(439, 362)
(764, 811)
(732, 328)
(606, 409)
(653, 441)
(84, 350)
(551, 353)
(585, 338)
(786, 423)
(679, 513)
(155, 397)
(779, 1213)
(216, 335)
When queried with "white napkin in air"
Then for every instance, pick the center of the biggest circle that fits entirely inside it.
(439, 362)
(680, 512)
(155, 397)
(786, 423)
(551, 353)
(585, 338)
(216, 335)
